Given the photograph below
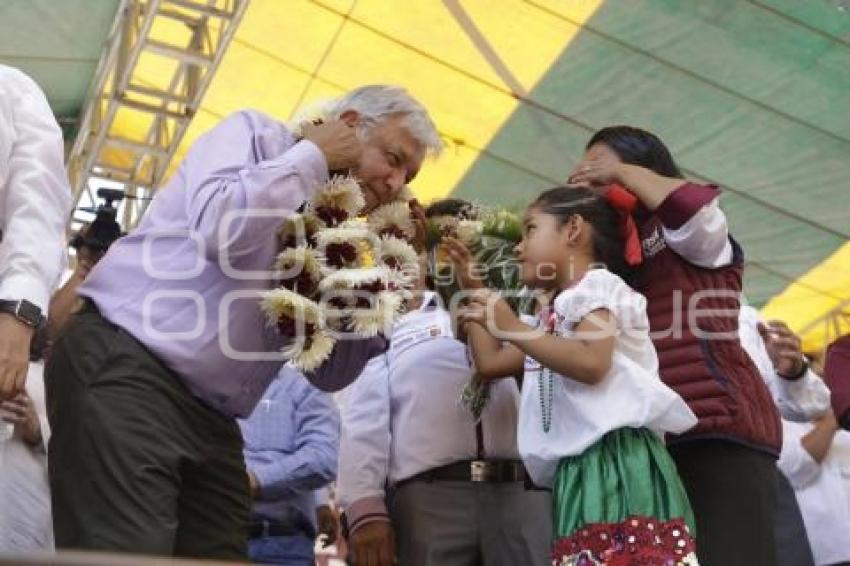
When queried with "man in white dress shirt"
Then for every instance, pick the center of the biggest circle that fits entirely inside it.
(418, 478)
(816, 459)
(801, 396)
(35, 200)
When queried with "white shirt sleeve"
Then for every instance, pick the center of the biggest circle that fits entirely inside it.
(801, 400)
(600, 289)
(364, 451)
(794, 461)
(704, 239)
(34, 190)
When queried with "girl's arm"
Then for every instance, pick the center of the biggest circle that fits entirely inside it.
(586, 358)
(493, 359)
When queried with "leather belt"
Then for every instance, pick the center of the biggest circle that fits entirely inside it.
(478, 471)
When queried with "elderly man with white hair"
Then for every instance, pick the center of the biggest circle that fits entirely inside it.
(146, 380)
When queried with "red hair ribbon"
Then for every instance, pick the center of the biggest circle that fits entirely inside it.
(625, 202)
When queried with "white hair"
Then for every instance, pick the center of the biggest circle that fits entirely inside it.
(376, 103)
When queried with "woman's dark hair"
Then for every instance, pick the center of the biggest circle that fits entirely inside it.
(638, 147)
(459, 208)
(606, 222)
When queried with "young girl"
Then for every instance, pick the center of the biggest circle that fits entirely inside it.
(593, 408)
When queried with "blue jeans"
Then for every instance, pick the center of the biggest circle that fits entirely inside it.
(294, 550)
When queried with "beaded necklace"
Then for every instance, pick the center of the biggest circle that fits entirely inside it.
(545, 383)
(546, 395)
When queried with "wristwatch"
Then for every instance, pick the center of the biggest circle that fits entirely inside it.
(25, 311)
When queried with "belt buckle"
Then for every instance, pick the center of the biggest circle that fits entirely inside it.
(479, 471)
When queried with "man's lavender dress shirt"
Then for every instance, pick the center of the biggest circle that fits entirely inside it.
(185, 282)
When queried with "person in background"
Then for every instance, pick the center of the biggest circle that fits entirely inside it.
(816, 459)
(291, 444)
(35, 200)
(836, 371)
(422, 482)
(25, 518)
(800, 396)
(91, 242)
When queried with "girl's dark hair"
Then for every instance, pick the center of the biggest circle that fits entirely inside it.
(459, 208)
(606, 235)
(638, 147)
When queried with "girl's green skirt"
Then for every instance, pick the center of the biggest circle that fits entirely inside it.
(622, 502)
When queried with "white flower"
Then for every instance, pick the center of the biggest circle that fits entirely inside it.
(299, 229)
(338, 200)
(445, 224)
(285, 307)
(299, 269)
(347, 232)
(368, 322)
(468, 231)
(310, 352)
(347, 279)
(345, 246)
(398, 255)
(393, 219)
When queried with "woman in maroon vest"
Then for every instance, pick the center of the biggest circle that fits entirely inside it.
(691, 275)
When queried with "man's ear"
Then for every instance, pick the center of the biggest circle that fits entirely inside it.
(350, 117)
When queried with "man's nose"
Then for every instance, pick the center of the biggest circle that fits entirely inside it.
(396, 181)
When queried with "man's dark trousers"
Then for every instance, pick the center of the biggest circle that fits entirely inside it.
(138, 464)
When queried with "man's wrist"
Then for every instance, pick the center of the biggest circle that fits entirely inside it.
(21, 324)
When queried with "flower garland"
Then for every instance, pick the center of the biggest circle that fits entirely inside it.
(336, 273)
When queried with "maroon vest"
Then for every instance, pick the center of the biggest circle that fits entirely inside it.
(693, 316)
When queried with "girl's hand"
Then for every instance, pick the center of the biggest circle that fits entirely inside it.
(488, 309)
(466, 270)
(597, 172)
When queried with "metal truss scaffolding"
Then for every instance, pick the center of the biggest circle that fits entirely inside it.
(157, 107)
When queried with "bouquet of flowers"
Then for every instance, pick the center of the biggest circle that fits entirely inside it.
(490, 235)
(338, 273)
